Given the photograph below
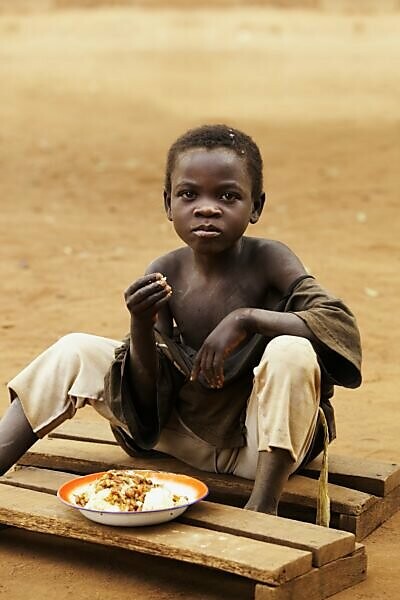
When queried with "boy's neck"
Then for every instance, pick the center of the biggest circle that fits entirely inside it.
(211, 265)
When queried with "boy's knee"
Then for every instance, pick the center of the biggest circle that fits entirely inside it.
(291, 351)
(75, 344)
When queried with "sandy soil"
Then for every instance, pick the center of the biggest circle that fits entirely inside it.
(90, 101)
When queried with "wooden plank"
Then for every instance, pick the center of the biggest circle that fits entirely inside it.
(325, 544)
(304, 491)
(374, 477)
(40, 480)
(365, 475)
(367, 522)
(259, 561)
(85, 431)
(93, 431)
(86, 458)
(81, 457)
(320, 583)
(298, 500)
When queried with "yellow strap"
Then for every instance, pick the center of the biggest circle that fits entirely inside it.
(323, 501)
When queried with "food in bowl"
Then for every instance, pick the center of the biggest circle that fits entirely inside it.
(127, 491)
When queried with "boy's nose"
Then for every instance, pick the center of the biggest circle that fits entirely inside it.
(207, 209)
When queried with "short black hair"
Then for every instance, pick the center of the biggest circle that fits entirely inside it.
(219, 136)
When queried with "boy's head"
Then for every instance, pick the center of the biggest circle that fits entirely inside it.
(219, 136)
(213, 187)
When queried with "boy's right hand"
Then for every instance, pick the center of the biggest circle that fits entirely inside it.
(145, 296)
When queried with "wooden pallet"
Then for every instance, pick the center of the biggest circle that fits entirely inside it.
(282, 559)
(364, 494)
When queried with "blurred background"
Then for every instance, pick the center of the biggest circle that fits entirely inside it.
(92, 95)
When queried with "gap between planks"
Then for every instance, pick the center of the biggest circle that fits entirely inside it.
(365, 475)
(312, 583)
(325, 544)
(82, 457)
(321, 583)
(351, 509)
(259, 561)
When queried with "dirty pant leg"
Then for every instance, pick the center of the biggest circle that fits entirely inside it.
(283, 407)
(62, 379)
(179, 441)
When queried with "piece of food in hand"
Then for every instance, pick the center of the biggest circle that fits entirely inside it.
(127, 491)
(163, 281)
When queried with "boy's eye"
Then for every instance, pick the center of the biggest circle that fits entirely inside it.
(187, 194)
(229, 196)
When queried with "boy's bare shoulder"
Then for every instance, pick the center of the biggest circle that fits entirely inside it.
(272, 249)
(281, 264)
(168, 264)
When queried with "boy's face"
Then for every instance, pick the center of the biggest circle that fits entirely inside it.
(211, 200)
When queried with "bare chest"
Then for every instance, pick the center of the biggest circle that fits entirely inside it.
(197, 309)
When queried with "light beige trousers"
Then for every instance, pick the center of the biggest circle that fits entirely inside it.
(282, 410)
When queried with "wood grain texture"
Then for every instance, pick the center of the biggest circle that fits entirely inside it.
(365, 475)
(304, 491)
(371, 476)
(222, 537)
(351, 510)
(259, 561)
(81, 457)
(85, 431)
(368, 521)
(324, 544)
(40, 480)
(321, 583)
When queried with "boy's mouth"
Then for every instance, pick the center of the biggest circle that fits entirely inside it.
(206, 230)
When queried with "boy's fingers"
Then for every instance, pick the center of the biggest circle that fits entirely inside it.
(196, 367)
(218, 367)
(146, 292)
(161, 302)
(144, 281)
(207, 367)
(211, 365)
(149, 301)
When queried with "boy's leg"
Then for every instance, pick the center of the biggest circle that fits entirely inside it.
(51, 388)
(273, 471)
(281, 419)
(16, 436)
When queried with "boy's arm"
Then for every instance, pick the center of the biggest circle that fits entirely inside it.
(309, 312)
(234, 329)
(145, 298)
(283, 269)
(271, 323)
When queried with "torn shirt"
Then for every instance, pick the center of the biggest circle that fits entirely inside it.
(218, 415)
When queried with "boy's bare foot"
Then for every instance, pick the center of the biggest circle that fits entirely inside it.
(262, 508)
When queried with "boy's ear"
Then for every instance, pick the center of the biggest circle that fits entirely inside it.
(167, 205)
(257, 209)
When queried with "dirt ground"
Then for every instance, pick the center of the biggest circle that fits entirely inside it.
(91, 98)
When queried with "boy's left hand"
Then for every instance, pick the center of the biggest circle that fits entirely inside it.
(221, 342)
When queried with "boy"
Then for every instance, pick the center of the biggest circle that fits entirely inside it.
(233, 347)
